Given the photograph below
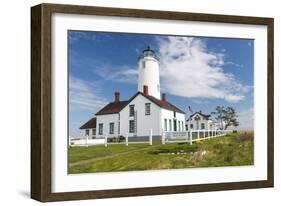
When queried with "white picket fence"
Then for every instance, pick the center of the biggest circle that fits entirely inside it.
(85, 142)
(192, 135)
(167, 137)
(106, 141)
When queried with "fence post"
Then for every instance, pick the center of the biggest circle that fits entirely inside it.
(190, 137)
(127, 142)
(150, 137)
(105, 141)
(198, 134)
(163, 136)
(87, 137)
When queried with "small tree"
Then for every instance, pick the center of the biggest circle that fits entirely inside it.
(226, 117)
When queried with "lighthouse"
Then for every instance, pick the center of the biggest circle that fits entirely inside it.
(144, 114)
(149, 73)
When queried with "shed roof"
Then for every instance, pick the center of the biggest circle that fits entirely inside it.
(91, 124)
(112, 107)
(207, 116)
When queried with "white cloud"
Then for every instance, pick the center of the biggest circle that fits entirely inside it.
(122, 74)
(188, 69)
(84, 95)
(234, 64)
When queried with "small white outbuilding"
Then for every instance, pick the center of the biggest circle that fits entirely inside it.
(200, 121)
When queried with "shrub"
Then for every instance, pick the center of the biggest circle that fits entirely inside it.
(244, 136)
(122, 138)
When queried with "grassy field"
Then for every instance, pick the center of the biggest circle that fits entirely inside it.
(230, 150)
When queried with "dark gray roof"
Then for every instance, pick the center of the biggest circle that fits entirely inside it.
(116, 107)
(90, 124)
(207, 116)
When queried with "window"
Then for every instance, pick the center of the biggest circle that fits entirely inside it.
(111, 128)
(100, 128)
(174, 114)
(170, 125)
(175, 125)
(131, 126)
(93, 132)
(165, 124)
(132, 110)
(179, 125)
(147, 108)
(143, 64)
(191, 126)
(202, 126)
(182, 127)
(87, 132)
(197, 118)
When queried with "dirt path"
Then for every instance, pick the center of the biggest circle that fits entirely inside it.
(107, 157)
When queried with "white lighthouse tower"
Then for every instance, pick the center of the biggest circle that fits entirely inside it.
(149, 73)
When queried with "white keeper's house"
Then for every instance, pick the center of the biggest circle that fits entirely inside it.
(146, 110)
(200, 121)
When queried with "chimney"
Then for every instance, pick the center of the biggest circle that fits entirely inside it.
(117, 97)
(145, 89)
(164, 97)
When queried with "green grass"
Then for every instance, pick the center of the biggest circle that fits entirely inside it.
(230, 150)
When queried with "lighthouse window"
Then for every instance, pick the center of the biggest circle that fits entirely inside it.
(132, 110)
(100, 129)
(147, 108)
(170, 125)
(143, 64)
(131, 126)
(111, 128)
(202, 126)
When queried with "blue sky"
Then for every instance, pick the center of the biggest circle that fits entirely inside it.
(200, 72)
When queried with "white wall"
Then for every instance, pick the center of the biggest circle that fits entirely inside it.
(106, 120)
(15, 104)
(144, 122)
(149, 76)
(192, 121)
(169, 115)
(92, 132)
